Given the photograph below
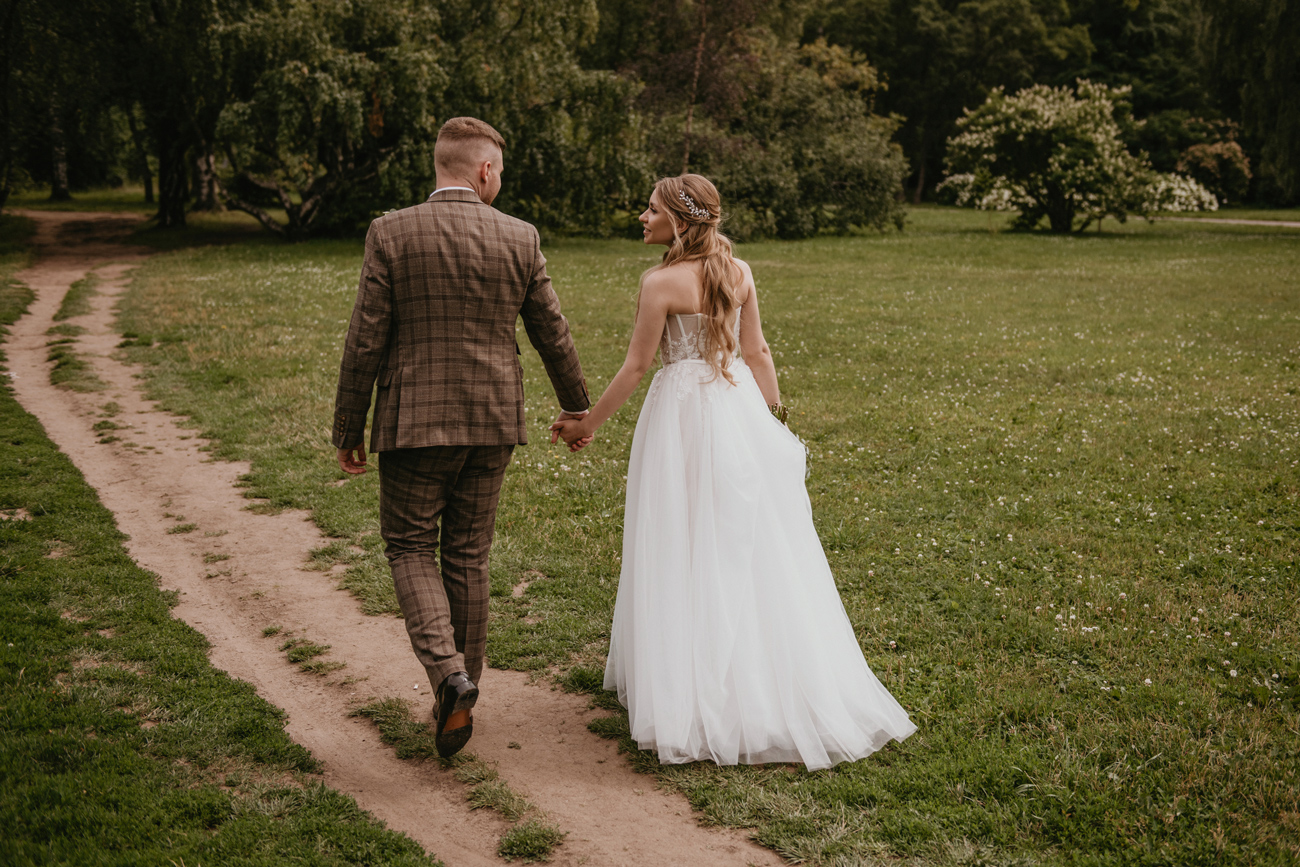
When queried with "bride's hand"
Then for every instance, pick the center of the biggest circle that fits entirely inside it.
(574, 433)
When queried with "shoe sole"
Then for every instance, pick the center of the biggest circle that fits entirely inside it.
(450, 742)
(465, 701)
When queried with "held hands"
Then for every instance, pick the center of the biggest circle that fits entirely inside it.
(572, 427)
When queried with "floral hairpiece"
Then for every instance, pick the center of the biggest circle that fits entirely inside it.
(696, 211)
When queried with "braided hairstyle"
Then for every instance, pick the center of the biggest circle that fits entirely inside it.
(696, 210)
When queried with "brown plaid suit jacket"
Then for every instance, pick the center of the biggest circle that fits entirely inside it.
(434, 326)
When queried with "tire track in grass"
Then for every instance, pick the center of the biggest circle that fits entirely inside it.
(238, 574)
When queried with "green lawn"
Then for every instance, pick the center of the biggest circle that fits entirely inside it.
(119, 742)
(1056, 478)
(1291, 215)
(125, 198)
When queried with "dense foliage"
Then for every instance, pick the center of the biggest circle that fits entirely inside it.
(315, 115)
(1051, 152)
(1189, 64)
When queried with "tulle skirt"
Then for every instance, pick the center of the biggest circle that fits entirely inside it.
(729, 642)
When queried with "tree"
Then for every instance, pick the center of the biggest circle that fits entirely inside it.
(169, 58)
(1060, 154)
(940, 56)
(331, 102)
(575, 144)
(787, 132)
(1253, 54)
(56, 125)
(804, 154)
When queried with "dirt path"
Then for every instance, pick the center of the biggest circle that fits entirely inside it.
(155, 477)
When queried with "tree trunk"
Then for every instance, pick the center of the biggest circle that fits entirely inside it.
(205, 184)
(141, 158)
(6, 118)
(695, 85)
(172, 172)
(920, 171)
(1060, 216)
(58, 157)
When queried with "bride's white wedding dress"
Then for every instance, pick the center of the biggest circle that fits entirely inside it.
(730, 642)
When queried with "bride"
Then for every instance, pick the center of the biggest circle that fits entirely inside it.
(729, 642)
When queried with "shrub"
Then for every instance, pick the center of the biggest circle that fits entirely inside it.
(803, 153)
(1059, 153)
(1221, 167)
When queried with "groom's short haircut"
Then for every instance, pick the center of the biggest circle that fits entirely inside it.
(464, 143)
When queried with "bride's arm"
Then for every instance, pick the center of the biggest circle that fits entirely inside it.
(650, 318)
(752, 343)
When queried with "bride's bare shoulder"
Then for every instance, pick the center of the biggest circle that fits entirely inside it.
(674, 274)
(746, 276)
(671, 280)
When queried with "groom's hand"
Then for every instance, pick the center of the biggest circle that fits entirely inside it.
(570, 431)
(353, 461)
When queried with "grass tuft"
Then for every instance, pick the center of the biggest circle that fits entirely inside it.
(76, 301)
(497, 795)
(530, 841)
(301, 649)
(399, 729)
(70, 370)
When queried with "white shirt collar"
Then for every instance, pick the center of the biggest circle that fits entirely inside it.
(444, 189)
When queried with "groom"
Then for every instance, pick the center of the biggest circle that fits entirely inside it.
(434, 328)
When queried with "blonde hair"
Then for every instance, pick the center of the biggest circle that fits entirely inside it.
(463, 142)
(695, 207)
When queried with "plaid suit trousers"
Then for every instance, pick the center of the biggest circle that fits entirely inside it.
(442, 497)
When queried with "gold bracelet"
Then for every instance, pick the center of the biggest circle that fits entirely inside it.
(780, 410)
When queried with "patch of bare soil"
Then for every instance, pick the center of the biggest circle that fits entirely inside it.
(238, 572)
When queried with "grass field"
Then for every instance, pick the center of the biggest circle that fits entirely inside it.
(1056, 479)
(122, 199)
(119, 743)
(1291, 215)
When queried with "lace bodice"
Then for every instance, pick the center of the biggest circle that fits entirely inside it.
(683, 333)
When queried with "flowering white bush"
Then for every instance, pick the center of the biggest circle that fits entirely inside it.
(1057, 153)
(1178, 193)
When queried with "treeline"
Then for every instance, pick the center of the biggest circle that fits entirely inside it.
(812, 115)
(1208, 76)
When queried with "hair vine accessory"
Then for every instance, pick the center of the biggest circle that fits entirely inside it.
(696, 211)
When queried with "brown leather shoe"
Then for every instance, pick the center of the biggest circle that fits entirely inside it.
(452, 704)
